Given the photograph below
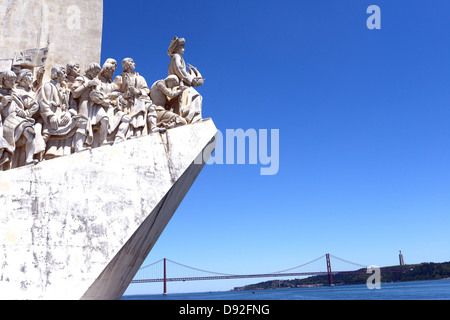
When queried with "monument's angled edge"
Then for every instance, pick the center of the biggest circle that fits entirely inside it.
(92, 167)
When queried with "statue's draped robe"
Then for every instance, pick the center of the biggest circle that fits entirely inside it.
(190, 107)
(54, 100)
(163, 98)
(15, 125)
(114, 114)
(86, 107)
(137, 106)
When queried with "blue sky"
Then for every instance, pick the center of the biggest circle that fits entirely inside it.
(363, 117)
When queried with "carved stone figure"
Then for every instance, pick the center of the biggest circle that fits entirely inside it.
(135, 99)
(165, 94)
(98, 120)
(119, 121)
(73, 72)
(6, 151)
(190, 106)
(18, 108)
(72, 113)
(37, 83)
(61, 124)
(177, 64)
(25, 89)
(107, 73)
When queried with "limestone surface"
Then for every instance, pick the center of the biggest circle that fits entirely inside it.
(70, 29)
(80, 227)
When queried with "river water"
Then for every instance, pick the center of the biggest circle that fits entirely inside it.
(415, 290)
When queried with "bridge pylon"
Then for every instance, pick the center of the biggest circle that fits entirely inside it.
(165, 277)
(330, 274)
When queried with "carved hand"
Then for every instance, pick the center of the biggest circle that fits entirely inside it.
(65, 119)
(197, 82)
(135, 91)
(92, 83)
(21, 113)
(114, 95)
(34, 108)
(54, 123)
(6, 100)
(54, 104)
(40, 72)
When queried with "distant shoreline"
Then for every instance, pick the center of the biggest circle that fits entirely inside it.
(406, 273)
(248, 295)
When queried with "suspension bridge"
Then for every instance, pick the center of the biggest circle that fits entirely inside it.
(159, 271)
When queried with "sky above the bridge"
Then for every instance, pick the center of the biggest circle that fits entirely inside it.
(363, 119)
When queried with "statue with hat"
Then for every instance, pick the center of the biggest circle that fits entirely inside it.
(190, 103)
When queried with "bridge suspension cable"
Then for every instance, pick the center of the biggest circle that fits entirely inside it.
(206, 271)
(300, 266)
(150, 265)
(236, 275)
(349, 262)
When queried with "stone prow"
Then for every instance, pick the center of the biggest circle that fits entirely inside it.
(80, 227)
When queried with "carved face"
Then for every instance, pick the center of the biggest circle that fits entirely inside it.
(75, 70)
(172, 83)
(9, 82)
(131, 65)
(28, 78)
(180, 50)
(94, 72)
(62, 74)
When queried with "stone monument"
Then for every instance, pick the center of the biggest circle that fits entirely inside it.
(91, 168)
